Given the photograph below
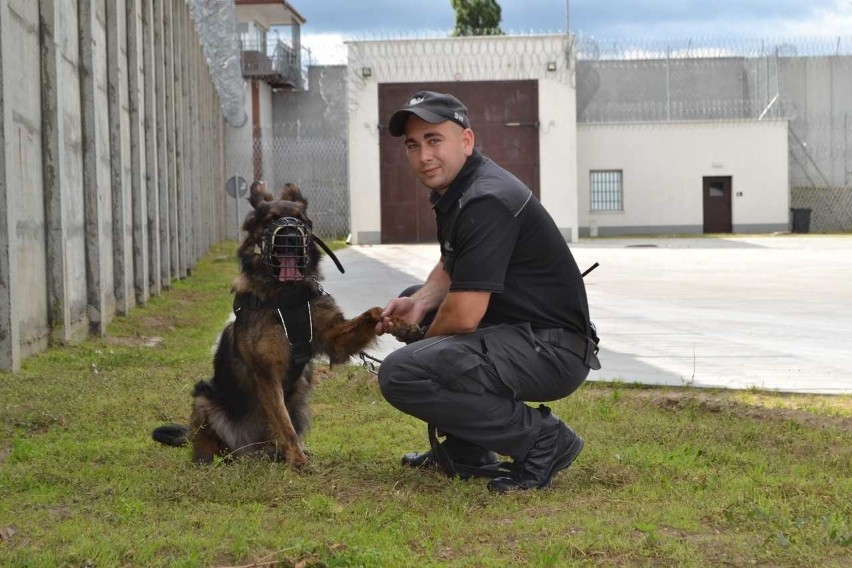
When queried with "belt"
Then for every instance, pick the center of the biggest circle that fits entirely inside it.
(573, 341)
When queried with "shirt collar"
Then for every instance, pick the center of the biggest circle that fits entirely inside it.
(443, 202)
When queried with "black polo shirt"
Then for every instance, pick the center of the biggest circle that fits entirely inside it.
(495, 236)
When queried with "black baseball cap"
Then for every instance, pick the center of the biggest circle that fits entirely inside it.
(431, 107)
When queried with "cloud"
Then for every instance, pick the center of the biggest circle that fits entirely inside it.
(325, 48)
(835, 20)
(331, 22)
(712, 18)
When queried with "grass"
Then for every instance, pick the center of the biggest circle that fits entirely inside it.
(663, 236)
(669, 477)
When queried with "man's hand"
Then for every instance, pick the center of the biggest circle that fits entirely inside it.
(407, 309)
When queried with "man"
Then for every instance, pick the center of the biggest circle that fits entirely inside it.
(511, 319)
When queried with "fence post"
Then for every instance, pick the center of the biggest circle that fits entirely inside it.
(10, 341)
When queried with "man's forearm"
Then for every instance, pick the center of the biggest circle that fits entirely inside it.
(435, 289)
(460, 312)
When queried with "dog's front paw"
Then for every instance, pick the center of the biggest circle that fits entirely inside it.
(374, 314)
(296, 458)
(405, 331)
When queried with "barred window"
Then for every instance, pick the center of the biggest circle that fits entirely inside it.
(606, 190)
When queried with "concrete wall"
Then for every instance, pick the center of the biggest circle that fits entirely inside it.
(817, 95)
(239, 154)
(319, 111)
(663, 166)
(266, 128)
(463, 59)
(673, 89)
(111, 169)
(309, 137)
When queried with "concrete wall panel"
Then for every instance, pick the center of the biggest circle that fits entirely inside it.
(63, 170)
(137, 171)
(96, 164)
(119, 136)
(24, 178)
(10, 344)
(164, 178)
(152, 204)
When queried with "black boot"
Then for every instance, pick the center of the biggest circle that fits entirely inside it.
(555, 449)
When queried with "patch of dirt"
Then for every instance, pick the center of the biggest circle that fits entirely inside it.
(4, 454)
(140, 341)
(611, 476)
(716, 403)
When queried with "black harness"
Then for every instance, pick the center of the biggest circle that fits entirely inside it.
(293, 304)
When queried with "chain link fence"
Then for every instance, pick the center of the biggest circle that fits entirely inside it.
(298, 153)
(318, 165)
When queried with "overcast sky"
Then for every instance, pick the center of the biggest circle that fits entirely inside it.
(332, 21)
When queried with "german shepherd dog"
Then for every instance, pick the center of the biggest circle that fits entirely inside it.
(257, 400)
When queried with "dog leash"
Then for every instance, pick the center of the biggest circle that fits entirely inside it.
(372, 366)
(329, 253)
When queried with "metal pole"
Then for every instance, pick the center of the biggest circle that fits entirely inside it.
(237, 202)
(567, 17)
(846, 170)
(668, 85)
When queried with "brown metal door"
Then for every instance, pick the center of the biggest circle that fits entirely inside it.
(504, 118)
(718, 215)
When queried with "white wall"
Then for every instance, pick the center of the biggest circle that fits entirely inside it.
(663, 165)
(463, 59)
(265, 98)
(239, 155)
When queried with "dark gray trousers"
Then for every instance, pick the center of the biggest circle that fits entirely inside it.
(473, 386)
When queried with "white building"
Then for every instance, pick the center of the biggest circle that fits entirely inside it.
(627, 178)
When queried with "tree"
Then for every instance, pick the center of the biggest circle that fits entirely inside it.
(477, 17)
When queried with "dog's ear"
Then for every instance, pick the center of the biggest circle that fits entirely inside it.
(249, 222)
(291, 192)
(258, 193)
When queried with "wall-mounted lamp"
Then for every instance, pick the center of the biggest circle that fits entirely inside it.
(551, 66)
(366, 72)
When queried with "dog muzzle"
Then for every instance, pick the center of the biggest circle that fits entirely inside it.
(284, 249)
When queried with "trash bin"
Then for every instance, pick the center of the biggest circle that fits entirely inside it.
(801, 220)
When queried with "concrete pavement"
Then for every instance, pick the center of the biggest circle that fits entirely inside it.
(771, 312)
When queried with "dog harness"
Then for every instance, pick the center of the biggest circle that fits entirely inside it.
(293, 304)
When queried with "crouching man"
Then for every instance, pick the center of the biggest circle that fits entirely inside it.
(504, 312)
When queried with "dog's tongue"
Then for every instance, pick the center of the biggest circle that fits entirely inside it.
(287, 270)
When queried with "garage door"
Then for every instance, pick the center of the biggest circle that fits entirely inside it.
(504, 117)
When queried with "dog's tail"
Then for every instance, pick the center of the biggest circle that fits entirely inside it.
(171, 434)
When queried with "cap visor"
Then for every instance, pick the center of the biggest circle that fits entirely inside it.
(397, 121)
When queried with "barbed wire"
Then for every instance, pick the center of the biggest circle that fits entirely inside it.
(631, 49)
